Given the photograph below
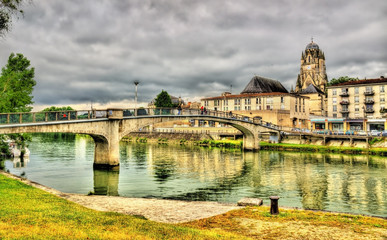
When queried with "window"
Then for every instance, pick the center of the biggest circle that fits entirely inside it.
(237, 102)
(269, 103)
(368, 89)
(225, 102)
(256, 101)
(303, 108)
(357, 109)
(335, 115)
(247, 107)
(282, 99)
(247, 101)
(382, 99)
(356, 90)
(334, 92)
(206, 103)
(295, 108)
(237, 108)
(334, 108)
(356, 99)
(334, 100)
(382, 88)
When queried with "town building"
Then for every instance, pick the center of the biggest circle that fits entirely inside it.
(267, 99)
(312, 80)
(355, 105)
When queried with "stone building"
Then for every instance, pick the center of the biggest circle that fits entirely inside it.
(312, 80)
(356, 105)
(267, 99)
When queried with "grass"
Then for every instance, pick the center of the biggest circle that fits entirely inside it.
(220, 143)
(257, 222)
(322, 149)
(30, 213)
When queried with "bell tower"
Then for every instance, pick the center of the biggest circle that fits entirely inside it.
(313, 70)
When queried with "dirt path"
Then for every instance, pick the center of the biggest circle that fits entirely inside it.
(159, 210)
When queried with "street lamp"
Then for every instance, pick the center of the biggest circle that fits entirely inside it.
(136, 82)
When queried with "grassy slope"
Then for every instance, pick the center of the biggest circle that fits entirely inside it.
(257, 222)
(27, 212)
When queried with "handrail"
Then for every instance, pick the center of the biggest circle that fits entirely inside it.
(65, 115)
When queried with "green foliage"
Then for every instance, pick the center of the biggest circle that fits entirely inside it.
(163, 100)
(375, 140)
(8, 8)
(334, 81)
(16, 85)
(58, 109)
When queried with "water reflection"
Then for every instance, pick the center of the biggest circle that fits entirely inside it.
(106, 182)
(313, 181)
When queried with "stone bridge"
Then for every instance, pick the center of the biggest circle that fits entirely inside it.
(108, 127)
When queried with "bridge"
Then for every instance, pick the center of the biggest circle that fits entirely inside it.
(108, 127)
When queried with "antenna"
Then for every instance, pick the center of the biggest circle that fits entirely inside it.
(231, 88)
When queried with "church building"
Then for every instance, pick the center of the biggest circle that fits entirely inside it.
(312, 80)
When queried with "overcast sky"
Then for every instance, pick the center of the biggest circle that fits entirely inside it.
(92, 50)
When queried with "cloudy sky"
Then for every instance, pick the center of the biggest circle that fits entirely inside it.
(91, 51)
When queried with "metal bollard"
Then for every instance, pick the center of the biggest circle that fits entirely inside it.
(274, 205)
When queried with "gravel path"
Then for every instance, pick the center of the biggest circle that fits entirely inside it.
(159, 210)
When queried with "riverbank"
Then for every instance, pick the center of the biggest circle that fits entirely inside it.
(381, 151)
(29, 212)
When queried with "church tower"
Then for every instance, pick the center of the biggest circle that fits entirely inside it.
(313, 70)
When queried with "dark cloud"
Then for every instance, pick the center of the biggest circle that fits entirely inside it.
(93, 50)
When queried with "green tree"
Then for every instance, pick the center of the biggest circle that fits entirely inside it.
(8, 8)
(58, 109)
(16, 85)
(163, 100)
(334, 81)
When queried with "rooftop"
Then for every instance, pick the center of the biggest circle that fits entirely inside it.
(263, 85)
(382, 79)
(245, 95)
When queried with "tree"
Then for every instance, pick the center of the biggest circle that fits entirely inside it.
(163, 100)
(334, 81)
(16, 85)
(58, 109)
(8, 8)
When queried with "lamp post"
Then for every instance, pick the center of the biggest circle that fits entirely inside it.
(135, 97)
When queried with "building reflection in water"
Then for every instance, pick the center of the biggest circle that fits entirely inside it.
(20, 162)
(311, 181)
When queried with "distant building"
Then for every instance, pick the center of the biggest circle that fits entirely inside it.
(267, 99)
(356, 105)
(312, 80)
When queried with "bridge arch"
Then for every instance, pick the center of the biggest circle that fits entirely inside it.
(250, 134)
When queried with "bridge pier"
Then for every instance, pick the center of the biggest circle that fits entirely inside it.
(251, 142)
(107, 150)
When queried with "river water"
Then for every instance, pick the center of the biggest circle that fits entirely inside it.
(343, 183)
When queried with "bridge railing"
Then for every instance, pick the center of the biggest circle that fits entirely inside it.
(35, 117)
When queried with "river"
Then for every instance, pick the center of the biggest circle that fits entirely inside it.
(343, 183)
